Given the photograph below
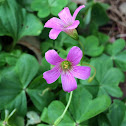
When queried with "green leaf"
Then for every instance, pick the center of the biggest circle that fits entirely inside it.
(25, 3)
(42, 125)
(116, 47)
(124, 120)
(72, 6)
(103, 38)
(26, 62)
(93, 28)
(16, 121)
(14, 81)
(120, 60)
(45, 46)
(1, 1)
(110, 82)
(87, 13)
(91, 46)
(9, 58)
(44, 115)
(117, 54)
(101, 67)
(84, 107)
(105, 6)
(117, 114)
(46, 7)
(92, 87)
(40, 93)
(108, 77)
(55, 110)
(45, 65)
(16, 22)
(11, 93)
(99, 15)
(87, 16)
(64, 40)
(3, 56)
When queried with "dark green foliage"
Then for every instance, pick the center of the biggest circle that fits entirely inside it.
(22, 86)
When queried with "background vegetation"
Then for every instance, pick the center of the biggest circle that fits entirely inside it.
(25, 97)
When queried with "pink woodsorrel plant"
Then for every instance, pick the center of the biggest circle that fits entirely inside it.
(67, 68)
(66, 23)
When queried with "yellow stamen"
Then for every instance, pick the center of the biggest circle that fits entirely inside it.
(66, 65)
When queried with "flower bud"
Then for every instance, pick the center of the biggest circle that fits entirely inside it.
(73, 34)
(90, 79)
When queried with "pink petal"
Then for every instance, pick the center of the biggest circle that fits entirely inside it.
(74, 56)
(53, 34)
(52, 57)
(81, 72)
(54, 23)
(65, 16)
(74, 25)
(52, 75)
(68, 82)
(77, 11)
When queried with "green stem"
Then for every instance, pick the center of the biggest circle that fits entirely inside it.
(65, 110)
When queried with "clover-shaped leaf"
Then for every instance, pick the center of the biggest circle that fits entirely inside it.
(14, 81)
(91, 46)
(55, 109)
(84, 107)
(117, 114)
(46, 7)
(16, 22)
(108, 78)
(14, 85)
(117, 53)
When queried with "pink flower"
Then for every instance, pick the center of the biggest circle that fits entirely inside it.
(67, 68)
(66, 23)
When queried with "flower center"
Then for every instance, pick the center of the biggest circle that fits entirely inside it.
(66, 65)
